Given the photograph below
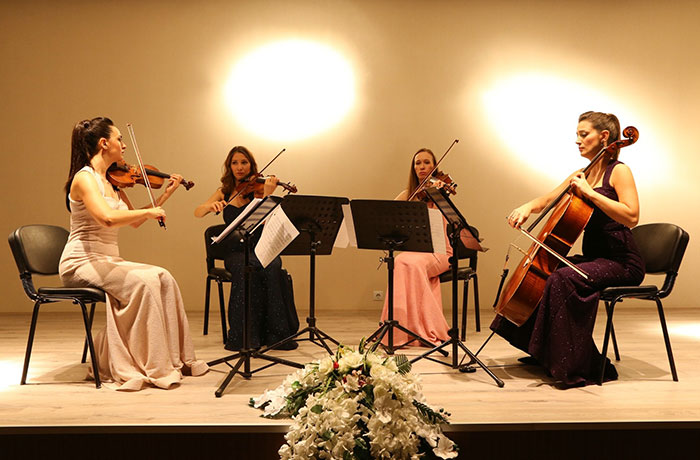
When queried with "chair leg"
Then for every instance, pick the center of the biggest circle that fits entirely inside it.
(30, 341)
(465, 298)
(614, 341)
(222, 310)
(662, 318)
(206, 307)
(85, 345)
(477, 313)
(609, 308)
(91, 345)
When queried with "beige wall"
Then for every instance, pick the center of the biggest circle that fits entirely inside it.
(422, 69)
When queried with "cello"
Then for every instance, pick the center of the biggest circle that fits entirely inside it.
(570, 215)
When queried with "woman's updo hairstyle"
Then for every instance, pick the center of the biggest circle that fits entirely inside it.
(86, 135)
(604, 122)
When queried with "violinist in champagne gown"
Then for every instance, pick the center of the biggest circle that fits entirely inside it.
(558, 335)
(273, 315)
(146, 340)
(417, 296)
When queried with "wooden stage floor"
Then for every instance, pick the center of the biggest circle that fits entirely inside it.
(645, 399)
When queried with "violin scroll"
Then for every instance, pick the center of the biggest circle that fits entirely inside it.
(449, 185)
(438, 176)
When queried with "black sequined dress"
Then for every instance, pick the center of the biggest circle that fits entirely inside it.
(273, 314)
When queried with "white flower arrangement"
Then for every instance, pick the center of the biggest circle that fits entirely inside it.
(357, 405)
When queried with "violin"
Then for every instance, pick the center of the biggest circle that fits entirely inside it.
(434, 176)
(255, 184)
(448, 184)
(123, 175)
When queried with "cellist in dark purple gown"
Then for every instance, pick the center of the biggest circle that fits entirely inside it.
(558, 335)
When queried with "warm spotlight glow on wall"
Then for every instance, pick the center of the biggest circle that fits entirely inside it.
(290, 90)
(535, 115)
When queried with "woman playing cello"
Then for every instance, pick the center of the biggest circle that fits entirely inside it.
(558, 335)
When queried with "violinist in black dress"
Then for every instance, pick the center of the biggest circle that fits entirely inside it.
(273, 314)
(558, 335)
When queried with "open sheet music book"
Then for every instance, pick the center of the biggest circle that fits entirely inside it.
(253, 214)
(278, 232)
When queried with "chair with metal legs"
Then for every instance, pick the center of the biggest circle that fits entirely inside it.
(662, 246)
(220, 275)
(467, 274)
(37, 251)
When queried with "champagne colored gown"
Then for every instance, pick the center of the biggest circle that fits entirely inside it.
(146, 340)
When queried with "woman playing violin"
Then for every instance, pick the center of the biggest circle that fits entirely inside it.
(146, 340)
(417, 296)
(558, 335)
(274, 316)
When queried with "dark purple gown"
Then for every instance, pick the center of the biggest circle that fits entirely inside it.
(559, 334)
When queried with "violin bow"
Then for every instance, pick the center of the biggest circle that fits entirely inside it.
(259, 172)
(553, 252)
(430, 174)
(146, 182)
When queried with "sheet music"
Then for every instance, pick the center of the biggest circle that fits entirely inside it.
(437, 231)
(277, 233)
(233, 225)
(346, 233)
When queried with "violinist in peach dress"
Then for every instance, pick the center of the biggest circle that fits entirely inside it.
(417, 296)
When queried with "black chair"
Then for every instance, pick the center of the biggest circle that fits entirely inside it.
(466, 274)
(662, 247)
(37, 250)
(220, 275)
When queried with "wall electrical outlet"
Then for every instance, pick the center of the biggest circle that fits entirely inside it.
(378, 295)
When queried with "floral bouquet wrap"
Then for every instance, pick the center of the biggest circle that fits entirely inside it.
(357, 405)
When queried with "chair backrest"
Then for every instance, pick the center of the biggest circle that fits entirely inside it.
(37, 249)
(215, 251)
(662, 246)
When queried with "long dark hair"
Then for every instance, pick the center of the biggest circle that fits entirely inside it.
(604, 122)
(228, 181)
(413, 181)
(86, 135)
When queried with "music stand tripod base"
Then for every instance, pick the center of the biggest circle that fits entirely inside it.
(257, 213)
(390, 225)
(456, 222)
(318, 219)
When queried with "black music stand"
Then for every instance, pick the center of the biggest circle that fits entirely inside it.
(455, 224)
(391, 225)
(246, 223)
(318, 219)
